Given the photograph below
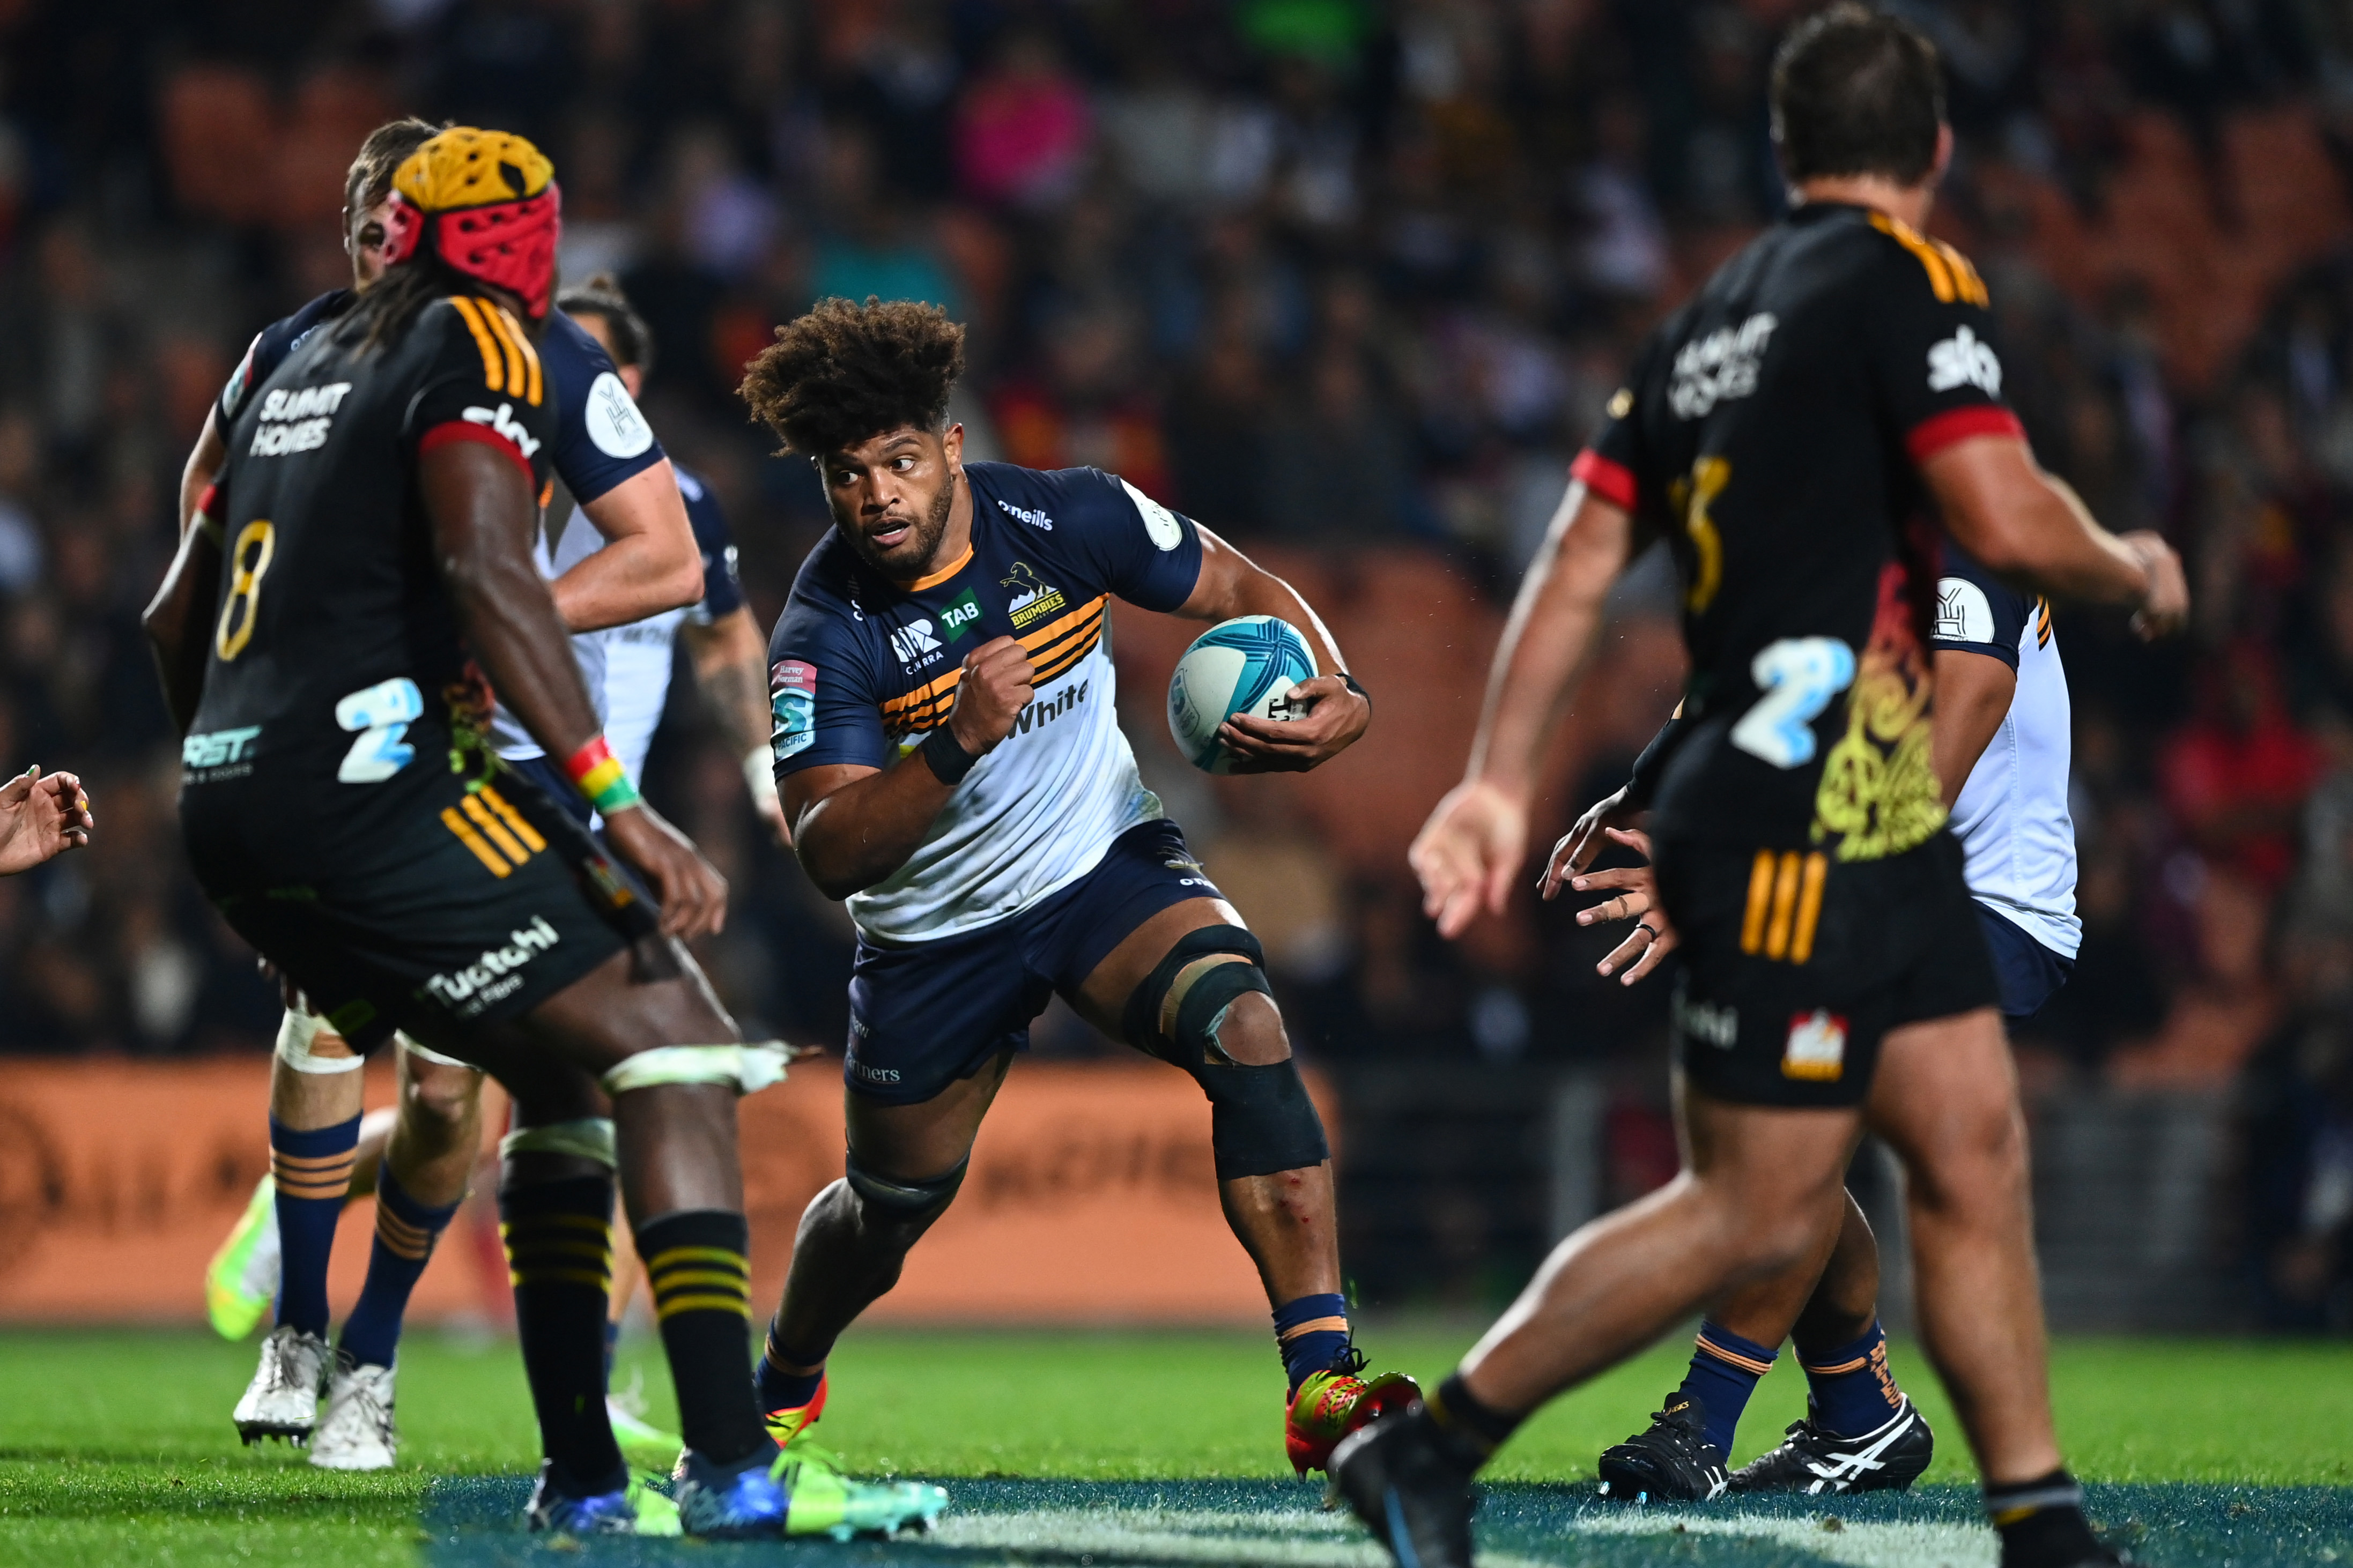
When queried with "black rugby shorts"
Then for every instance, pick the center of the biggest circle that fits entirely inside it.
(1795, 965)
(456, 908)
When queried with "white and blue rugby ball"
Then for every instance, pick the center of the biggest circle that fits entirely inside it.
(1245, 666)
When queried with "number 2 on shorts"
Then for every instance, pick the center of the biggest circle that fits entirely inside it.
(382, 713)
(1798, 676)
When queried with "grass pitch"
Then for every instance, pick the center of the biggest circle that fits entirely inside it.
(1135, 1449)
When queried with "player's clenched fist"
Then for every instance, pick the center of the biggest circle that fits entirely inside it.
(994, 689)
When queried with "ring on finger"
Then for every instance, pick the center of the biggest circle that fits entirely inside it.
(1647, 929)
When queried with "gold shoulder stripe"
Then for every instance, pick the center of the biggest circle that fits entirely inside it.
(511, 330)
(494, 316)
(893, 705)
(1940, 276)
(493, 362)
(1965, 275)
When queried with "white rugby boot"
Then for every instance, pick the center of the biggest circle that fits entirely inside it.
(356, 1433)
(282, 1400)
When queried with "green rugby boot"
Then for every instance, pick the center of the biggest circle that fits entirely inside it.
(242, 1281)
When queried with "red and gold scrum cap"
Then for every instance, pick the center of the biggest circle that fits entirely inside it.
(488, 203)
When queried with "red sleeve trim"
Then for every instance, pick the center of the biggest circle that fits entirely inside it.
(1613, 482)
(1934, 433)
(441, 434)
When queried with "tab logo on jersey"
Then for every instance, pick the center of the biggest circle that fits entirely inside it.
(1963, 612)
(297, 419)
(496, 974)
(792, 703)
(503, 422)
(914, 645)
(1720, 366)
(1023, 514)
(1964, 359)
(1032, 600)
(218, 748)
(962, 615)
(1817, 1046)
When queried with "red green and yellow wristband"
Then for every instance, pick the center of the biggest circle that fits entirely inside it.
(597, 774)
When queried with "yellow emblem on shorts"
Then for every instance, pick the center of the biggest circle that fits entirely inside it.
(1817, 1048)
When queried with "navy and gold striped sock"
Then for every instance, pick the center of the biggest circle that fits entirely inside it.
(698, 1269)
(1854, 1391)
(1724, 1369)
(405, 1231)
(1311, 1332)
(559, 1237)
(312, 1171)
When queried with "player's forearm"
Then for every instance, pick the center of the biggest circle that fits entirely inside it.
(648, 564)
(1232, 584)
(731, 669)
(2027, 526)
(861, 834)
(175, 622)
(1973, 697)
(1554, 621)
(204, 466)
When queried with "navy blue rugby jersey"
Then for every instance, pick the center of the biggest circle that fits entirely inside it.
(861, 668)
(601, 439)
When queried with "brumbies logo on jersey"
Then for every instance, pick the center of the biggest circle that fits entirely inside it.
(1032, 600)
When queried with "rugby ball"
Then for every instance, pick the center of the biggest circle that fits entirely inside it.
(1248, 665)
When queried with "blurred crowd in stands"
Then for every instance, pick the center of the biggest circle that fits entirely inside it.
(1347, 281)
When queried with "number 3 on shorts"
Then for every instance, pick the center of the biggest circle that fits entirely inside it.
(1798, 676)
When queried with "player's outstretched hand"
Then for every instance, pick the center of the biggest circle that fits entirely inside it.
(41, 819)
(693, 894)
(1335, 717)
(996, 687)
(1583, 841)
(1467, 854)
(2167, 609)
(1634, 897)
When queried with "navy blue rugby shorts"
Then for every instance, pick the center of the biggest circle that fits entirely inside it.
(923, 1015)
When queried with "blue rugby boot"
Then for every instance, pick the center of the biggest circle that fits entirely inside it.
(553, 1512)
(746, 1500)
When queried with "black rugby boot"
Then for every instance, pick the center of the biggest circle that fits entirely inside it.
(1402, 1480)
(1889, 1458)
(1671, 1462)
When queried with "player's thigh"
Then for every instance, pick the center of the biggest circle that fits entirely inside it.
(926, 1139)
(435, 1086)
(1946, 1101)
(650, 993)
(1102, 998)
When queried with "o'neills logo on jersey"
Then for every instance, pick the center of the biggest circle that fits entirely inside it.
(1023, 514)
(297, 419)
(1032, 600)
(1720, 366)
(496, 974)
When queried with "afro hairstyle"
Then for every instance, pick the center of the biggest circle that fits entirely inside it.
(844, 374)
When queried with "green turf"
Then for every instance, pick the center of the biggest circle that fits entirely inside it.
(116, 1447)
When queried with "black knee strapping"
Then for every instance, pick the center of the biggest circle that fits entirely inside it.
(906, 1197)
(1214, 990)
(1260, 1120)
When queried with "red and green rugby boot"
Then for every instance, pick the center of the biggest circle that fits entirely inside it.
(789, 1423)
(1334, 1403)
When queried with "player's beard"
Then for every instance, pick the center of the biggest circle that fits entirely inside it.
(912, 559)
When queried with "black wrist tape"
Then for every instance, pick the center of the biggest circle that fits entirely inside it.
(1350, 682)
(948, 761)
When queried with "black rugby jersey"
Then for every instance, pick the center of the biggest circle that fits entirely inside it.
(1772, 431)
(335, 662)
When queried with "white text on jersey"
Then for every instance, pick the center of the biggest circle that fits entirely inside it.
(504, 422)
(1720, 366)
(297, 420)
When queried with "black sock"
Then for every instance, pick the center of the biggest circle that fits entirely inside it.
(697, 1268)
(559, 1237)
(2042, 1522)
(1468, 1430)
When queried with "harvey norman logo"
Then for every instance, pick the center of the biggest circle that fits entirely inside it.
(497, 973)
(297, 419)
